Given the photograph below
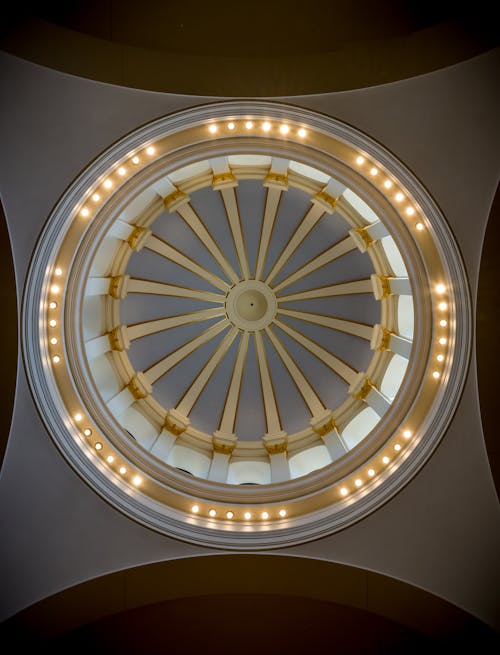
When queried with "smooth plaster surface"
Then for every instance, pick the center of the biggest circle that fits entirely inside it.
(442, 531)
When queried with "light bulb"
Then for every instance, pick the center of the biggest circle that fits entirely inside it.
(249, 125)
(265, 515)
(110, 459)
(121, 171)
(344, 491)
(229, 515)
(284, 129)
(248, 516)
(266, 126)
(56, 359)
(419, 226)
(440, 358)
(150, 150)
(195, 509)
(85, 212)
(406, 434)
(397, 447)
(98, 445)
(122, 470)
(230, 126)
(87, 432)
(440, 288)
(78, 417)
(399, 196)
(52, 323)
(358, 482)
(212, 513)
(443, 323)
(435, 375)
(52, 304)
(410, 211)
(53, 341)
(371, 472)
(212, 128)
(107, 184)
(385, 460)
(96, 197)
(360, 160)
(135, 160)
(387, 184)
(442, 341)
(443, 306)
(302, 133)
(282, 513)
(373, 171)
(137, 480)
(54, 288)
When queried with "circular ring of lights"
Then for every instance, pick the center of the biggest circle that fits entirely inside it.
(82, 261)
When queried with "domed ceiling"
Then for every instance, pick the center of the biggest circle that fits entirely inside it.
(250, 325)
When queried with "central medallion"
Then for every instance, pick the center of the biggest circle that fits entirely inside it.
(251, 305)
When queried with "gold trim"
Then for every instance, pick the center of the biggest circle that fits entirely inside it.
(363, 233)
(275, 448)
(325, 198)
(276, 180)
(137, 388)
(222, 448)
(219, 178)
(366, 387)
(386, 285)
(173, 428)
(325, 428)
(385, 340)
(118, 286)
(174, 197)
(136, 237)
(118, 339)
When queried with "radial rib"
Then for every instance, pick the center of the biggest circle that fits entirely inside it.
(151, 327)
(349, 327)
(234, 220)
(270, 406)
(137, 285)
(271, 209)
(233, 393)
(341, 289)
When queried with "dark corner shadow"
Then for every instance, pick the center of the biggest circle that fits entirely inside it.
(8, 334)
(486, 338)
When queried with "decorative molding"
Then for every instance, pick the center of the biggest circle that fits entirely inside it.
(174, 200)
(139, 386)
(138, 237)
(276, 181)
(118, 338)
(118, 286)
(326, 201)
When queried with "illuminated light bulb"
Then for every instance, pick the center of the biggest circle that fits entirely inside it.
(122, 470)
(385, 460)
(410, 211)
(373, 171)
(248, 516)
(399, 196)
(54, 288)
(442, 341)
(121, 171)
(440, 358)
(212, 129)
(195, 509)
(344, 491)
(212, 513)
(136, 480)
(266, 126)
(56, 359)
(87, 432)
(443, 306)
(358, 482)
(58, 271)
(440, 288)
(85, 212)
(265, 515)
(360, 160)
(371, 472)
(284, 129)
(419, 227)
(249, 125)
(135, 160)
(302, 133)
(436, 375)
(110, 459)
(52, 323)
(78, 417)
(150, 150)
(107, 184)
(96, 197)
(52, 304)
(406, 434)
(230, 126)
(282, 513)
(53, 341)
(98, 445)
(229, 515)
(443, 323)
(397, 447)
(387, 184)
